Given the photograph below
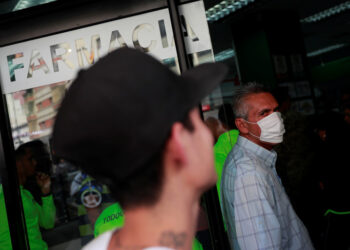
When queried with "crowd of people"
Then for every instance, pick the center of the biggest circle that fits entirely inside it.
(281, 177)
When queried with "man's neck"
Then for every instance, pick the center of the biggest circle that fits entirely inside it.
(257, 141)
(167, 225)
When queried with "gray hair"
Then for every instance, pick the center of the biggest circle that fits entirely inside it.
(240, 107)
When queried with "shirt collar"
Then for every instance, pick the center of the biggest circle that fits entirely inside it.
(268, 156)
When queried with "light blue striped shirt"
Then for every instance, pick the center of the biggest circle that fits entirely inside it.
(256, 208)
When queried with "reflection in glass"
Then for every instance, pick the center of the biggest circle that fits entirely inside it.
(32, 163)
(91, 198)
(82, 51)
(42, 64)
(79, 201)
(163, 33)
(136, 41)
(12, 66)
(116, 36)
(188, 30)
(32, 111)
(33, 169)
(57, 56)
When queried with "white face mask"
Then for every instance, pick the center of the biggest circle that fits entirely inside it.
(272, 128)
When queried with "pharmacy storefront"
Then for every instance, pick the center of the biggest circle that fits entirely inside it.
(43, 50)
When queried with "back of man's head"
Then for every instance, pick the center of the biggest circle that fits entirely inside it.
(226, 116)
(20, 151)
(215, 126)
(240, 107)
(38, 151)
(117, 116)
(35, 147)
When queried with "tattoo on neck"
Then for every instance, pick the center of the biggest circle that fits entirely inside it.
(172, 239)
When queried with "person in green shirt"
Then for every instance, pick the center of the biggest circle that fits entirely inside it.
(225, 142)
(36, 215)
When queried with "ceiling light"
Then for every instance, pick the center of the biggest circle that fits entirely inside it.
(23, 4)
(327, 13)
(224, 8)
(225, 54)
(325, 50)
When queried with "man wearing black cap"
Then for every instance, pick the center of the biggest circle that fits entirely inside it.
(132, 123)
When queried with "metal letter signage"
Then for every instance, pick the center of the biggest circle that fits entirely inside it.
(59, 57)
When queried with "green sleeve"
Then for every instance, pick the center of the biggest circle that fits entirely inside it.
(220, 158)
(5, 240)
(47, 212)
(196, 245)
(222, 148)
(111, 218)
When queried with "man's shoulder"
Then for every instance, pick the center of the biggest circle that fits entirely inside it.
(245, 167)
(26, 194)
(241, 159)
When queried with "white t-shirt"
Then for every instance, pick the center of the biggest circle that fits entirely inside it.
(102, 241)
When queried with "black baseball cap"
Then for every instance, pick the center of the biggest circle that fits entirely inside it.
(119, 112)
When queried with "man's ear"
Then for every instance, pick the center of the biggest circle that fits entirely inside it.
(176, 145)
(242, 126)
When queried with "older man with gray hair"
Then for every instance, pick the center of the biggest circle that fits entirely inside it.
(256, 208)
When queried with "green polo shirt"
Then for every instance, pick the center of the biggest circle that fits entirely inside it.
(110, 218)
(36, 216)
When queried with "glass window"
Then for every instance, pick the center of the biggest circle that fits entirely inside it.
(68, 203)
(217, 111)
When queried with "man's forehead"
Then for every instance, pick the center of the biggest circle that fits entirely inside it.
(261, 101)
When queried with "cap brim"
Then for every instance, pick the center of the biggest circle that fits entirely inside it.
(205, 78)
